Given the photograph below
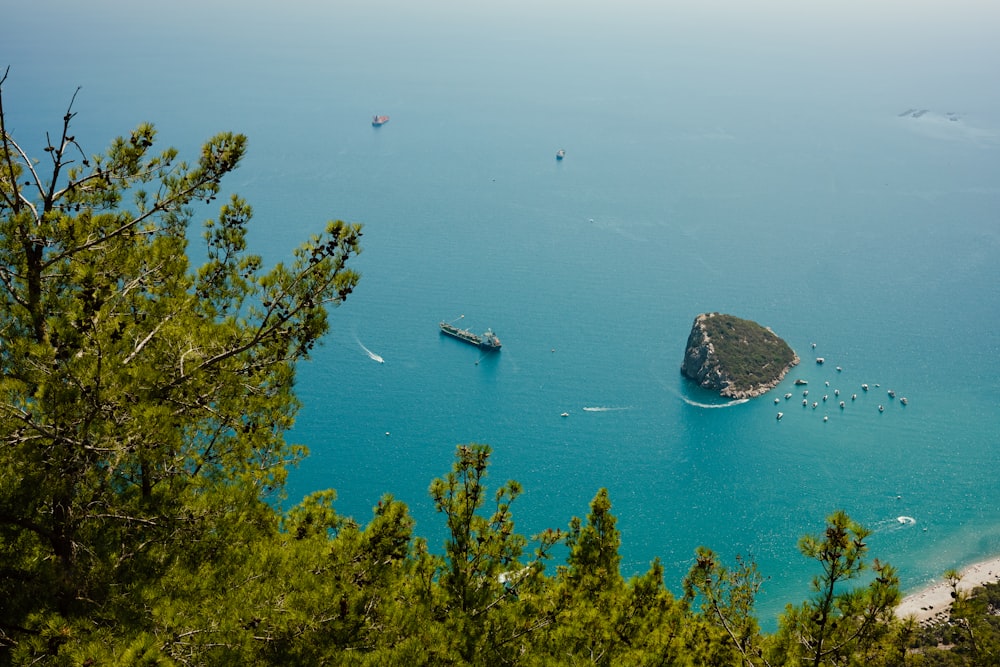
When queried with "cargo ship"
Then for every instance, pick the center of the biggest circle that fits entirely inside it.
(488, 341)
(379, 121)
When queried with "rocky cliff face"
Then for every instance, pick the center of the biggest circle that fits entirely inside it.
(736, 357)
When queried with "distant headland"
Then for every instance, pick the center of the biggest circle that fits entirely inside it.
(736, 357)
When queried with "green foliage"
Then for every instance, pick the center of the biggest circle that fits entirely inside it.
(489, 596)
(143, 411)
(727, 599)
(750, 354)
(479, 549)
(841, 625)
(971, 634)
(604, 620)
(140, 401)
(594, 563)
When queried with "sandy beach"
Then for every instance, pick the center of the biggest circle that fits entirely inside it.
(931, 604)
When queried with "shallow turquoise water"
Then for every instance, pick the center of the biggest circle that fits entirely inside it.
(715, 161)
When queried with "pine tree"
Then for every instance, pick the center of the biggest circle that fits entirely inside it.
(727, 597)
(490, 600)
(141, 399)
(840, 624)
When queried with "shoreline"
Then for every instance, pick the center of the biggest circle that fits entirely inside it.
(931, 603)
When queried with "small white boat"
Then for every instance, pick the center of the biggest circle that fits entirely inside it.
(820, 360)
(881, 408)
(788, 396)
(903, 400)
(825, 418)
(804, 402)
(841, 405)
(776, 400)
(565, 414)
(780, 415)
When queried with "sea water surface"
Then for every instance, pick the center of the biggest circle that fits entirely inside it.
(829, 171)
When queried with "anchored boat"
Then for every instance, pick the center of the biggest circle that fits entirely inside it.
(379, 121)
(488, 341)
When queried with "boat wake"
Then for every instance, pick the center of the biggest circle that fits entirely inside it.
(671, 389)
(738, 401)
(890, 525)
(371, 355)
(605, 409)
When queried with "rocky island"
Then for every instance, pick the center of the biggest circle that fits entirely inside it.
(736, 357)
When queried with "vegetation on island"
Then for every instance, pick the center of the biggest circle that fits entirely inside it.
(144, 405)
(736, 355)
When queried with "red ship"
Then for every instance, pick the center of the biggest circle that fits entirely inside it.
(379, 121)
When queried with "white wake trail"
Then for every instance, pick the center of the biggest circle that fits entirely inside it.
(696, 404)
(371, 355)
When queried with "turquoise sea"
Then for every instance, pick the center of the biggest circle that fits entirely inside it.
(827, 169)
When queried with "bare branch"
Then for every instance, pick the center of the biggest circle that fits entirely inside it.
(18, 199)
(10, 520)
(7, 159)
(25, 418)
(149, 337)
(57, 153)
(6, 278)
